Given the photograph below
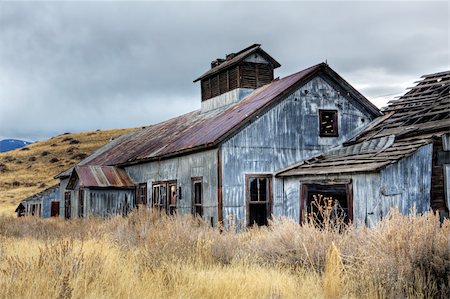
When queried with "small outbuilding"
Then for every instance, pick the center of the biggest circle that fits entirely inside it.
(44, 204)
(400, 160)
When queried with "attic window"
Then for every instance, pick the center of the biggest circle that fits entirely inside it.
(328, 123)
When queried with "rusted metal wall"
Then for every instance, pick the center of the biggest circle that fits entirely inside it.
(404, 185)
(286, 134)
(105, 203)
(182, 169)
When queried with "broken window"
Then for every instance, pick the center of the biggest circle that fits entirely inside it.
(328, 123)
(67, 207)
(141, 196)
(197, 197)
(327, 201)
(164, 196)
(259, 199)
(81, 203)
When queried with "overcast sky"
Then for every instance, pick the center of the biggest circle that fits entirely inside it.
(77, 66)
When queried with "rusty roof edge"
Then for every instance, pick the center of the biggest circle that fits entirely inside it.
(195, 149)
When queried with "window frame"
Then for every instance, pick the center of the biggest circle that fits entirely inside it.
(268, 201)
(304, 195)
(335, 123)
(165, 206)
(142, 196)
(194, 205)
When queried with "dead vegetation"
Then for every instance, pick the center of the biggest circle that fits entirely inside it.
(31, 169)
(181, 257)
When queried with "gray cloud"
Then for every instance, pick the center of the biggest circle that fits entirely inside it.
(81, 66)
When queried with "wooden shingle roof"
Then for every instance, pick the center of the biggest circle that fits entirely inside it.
(410, 122)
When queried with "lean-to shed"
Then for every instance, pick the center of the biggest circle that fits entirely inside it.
(400, 160)
(44, 204)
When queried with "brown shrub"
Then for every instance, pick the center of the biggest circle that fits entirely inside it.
(53, 160)
(74, 141)
(3, 167)
(32, 159)
(45, 153)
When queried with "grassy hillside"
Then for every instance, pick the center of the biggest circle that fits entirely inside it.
(31, 169)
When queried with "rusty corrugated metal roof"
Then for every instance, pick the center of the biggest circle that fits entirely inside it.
(413, 121)
(198, 131)
(101, 176)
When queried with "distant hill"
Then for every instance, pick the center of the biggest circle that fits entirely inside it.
(30, 169)
(7, 145)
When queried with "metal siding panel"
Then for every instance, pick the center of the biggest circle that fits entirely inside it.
(182, 169)
(283, 136)
(407, 183)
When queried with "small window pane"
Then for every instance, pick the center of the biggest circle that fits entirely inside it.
(198, 193)
(253, 189)
(262, 189)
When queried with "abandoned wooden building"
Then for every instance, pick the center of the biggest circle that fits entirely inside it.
(401, 160)
(218, 162)
(44, 204)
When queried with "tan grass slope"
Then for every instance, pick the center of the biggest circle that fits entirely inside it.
(26, 171)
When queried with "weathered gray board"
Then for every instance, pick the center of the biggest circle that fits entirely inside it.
(109, 202)
(183, 169)
(294, 127)
(405, 185)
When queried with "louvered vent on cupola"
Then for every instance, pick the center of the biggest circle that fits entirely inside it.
(250, 68)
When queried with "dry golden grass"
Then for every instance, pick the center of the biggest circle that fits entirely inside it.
(149, 256)
(32, 169)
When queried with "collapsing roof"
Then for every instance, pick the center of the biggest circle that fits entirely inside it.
(196, 131)
(410, 122)
(99, 177)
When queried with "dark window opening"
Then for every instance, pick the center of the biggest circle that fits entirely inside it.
(67, 207)
(164, 196)
(54, 212)
(259, 201)
(328, 123)
(331, 202)
(141, 196)
(81, 203)
(197, 197)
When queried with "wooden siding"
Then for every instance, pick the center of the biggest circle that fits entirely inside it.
(438, 201)
(404, 185)
(182, 169)
(294, 136)
(106, 203)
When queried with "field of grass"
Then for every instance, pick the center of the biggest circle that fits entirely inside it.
(147, 255)
(26, 171)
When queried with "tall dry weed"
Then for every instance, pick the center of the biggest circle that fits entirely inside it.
(182, 257)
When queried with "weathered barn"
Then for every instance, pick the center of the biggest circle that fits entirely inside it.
(401, 160)
(218, 162)
(44, 204)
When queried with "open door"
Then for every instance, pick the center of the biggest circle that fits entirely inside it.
(318, 196)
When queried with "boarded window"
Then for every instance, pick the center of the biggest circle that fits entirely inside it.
(67, 205)
(164, 196)
(81, 203)
(322, 199)
(197, 196)
(54, 209)
(141, 196)
(259, 199)
(328, 123)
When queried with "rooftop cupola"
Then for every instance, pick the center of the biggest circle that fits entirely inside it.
(247, 69)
